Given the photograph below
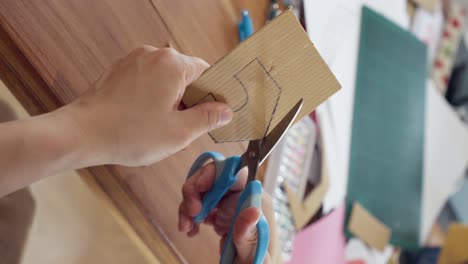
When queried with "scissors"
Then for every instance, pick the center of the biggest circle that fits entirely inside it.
(226, 175)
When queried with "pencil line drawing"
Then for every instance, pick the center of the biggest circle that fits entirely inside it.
(277, 98)
(246, 101)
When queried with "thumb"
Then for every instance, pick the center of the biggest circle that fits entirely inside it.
(206, 117)
(245, 234)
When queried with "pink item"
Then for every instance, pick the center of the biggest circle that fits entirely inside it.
(357, 262)
(322, 241)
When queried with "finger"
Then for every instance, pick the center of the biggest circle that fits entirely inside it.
(193, 67)
(211, 218)
(194, 231)
(245, 234)
(222, 223)
(240, 183)
(135, 54)
(221, 244)
(226, 211)
(185, 222)
(192, 190)
(191, 203)
(221, 231)
(205, 180)
(205, 117)
(144, 49)
(227, 206)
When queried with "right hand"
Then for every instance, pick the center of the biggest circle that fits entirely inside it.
(245, 231)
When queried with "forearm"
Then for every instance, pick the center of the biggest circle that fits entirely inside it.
(37, 147)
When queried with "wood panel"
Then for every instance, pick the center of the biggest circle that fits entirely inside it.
(52, 50)
(207, 36)
(203, 28)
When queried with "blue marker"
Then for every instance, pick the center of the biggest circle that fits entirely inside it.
(245, 26)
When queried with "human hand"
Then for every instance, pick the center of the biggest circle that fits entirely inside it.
(245, 231)
(131, 115)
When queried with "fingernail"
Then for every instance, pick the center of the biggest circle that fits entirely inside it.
(225, 116)
(184, 223)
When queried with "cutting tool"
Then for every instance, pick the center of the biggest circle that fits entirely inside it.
(227, 174)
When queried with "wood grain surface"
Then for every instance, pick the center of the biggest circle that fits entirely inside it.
(51, 51)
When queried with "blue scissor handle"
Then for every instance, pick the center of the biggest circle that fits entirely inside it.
(251, 196)
(226, 176)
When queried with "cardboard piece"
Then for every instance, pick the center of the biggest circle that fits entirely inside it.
(454, 250)
(430, 5)
(303, 211)
(263, 77)
(321, 242)
(369, 229)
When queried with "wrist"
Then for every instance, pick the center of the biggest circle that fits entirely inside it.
(78, 140)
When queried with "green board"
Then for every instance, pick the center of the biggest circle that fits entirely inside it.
(386, 162)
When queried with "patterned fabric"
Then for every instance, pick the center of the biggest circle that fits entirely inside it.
(448, 47)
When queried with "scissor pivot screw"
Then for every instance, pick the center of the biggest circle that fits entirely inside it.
(252, 154)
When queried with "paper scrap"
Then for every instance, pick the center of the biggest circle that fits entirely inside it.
(263, 77)
(368, 228)
(303, 211)
(445, 156)
(427, 27)
(358, 250)
(430, 5)
(454, 250)
(322, 241)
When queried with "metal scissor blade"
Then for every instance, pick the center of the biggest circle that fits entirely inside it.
(278, 132)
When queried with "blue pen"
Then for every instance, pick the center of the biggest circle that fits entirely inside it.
(245, 26)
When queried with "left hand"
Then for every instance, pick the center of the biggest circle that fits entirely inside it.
(131, 115)
(245, 231)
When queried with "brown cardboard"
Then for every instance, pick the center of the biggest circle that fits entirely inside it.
(430, 5)
(456, 244)
(369, 229)
(303, 211)
(410, 10)
(263, 77)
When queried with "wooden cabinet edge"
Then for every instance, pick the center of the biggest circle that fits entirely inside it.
(21, 77)
(109, 189)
